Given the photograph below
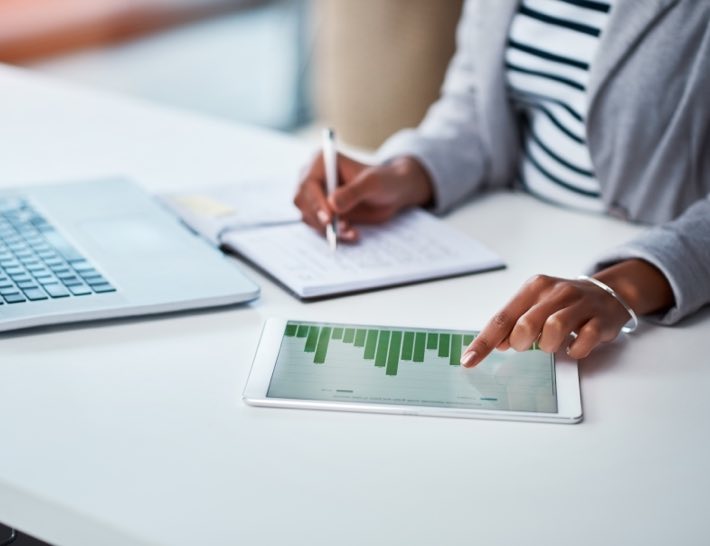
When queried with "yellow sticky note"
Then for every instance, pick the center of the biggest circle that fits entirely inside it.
(206, 206)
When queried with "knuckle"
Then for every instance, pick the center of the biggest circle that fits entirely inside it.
(525, 326)
(501, 320)
(566, 291)
(555, 325)
(593, 331)
(539, 282)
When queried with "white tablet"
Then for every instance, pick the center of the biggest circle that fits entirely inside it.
(412, 371)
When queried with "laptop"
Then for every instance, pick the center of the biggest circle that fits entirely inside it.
(104, 249)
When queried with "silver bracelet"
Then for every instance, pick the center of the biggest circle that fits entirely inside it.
(634, 322)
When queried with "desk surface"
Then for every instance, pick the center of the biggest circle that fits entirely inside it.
(133, 432)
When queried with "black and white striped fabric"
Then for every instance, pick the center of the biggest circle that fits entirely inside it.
(551, 45)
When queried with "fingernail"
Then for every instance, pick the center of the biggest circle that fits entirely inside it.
(468, 358)
(323, 217)
(349, 234)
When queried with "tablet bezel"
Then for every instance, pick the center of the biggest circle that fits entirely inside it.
(569, 402)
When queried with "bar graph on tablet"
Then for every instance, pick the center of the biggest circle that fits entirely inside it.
(412, 366)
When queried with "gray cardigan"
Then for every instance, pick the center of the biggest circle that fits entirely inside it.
(648, 130)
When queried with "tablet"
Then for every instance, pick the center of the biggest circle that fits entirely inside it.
(411, 371)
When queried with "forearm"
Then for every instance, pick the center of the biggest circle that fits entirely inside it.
(448, 142)
(680, 250)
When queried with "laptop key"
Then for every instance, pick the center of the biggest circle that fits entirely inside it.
(35, 294)
(80, 290)
(14, 298)
(56, 290)
(102, 288)
(82, 265)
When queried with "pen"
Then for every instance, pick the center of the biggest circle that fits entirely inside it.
(331, 182)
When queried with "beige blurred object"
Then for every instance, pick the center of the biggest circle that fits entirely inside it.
(379, 64)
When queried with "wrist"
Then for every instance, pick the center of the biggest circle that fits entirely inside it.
(419, 187)
(640, 284)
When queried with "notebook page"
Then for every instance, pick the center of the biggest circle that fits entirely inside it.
(414, 246)
(212, 211)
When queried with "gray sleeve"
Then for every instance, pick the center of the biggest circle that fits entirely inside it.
(447, 142)
(681, 250)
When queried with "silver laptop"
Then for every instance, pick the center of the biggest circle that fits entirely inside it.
(103, 249)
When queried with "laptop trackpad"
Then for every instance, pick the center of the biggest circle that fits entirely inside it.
(133, 236)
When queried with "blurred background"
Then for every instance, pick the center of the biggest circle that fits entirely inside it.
(366, 67)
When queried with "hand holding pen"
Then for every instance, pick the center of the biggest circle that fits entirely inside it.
(362, 194)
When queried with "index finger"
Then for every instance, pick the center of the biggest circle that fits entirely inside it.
(498, 328)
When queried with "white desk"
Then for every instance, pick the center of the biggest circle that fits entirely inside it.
(133, 432)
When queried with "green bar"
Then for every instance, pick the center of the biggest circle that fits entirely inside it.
(408, 346)
(302, 330)
(348, 335)
(393, 357)
(322, 347)
(312, 339)
(455, 358)
(360, 338)
(382, 345)
(431, 341)
(467, 339)
(419, 343)
(370, 344)
(444, 340)
(291, 329)
(337, 333)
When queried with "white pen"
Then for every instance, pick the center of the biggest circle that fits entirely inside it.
(331, 182)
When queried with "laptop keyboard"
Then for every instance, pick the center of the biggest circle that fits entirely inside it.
(37, 263)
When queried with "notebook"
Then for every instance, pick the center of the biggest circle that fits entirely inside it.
(414, 247)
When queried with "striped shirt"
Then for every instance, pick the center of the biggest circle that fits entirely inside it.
(551, 45)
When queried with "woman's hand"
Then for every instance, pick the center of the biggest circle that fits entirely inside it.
(365, 194)
(549, 309)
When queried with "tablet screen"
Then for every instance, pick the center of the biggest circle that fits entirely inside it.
(407, 366)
